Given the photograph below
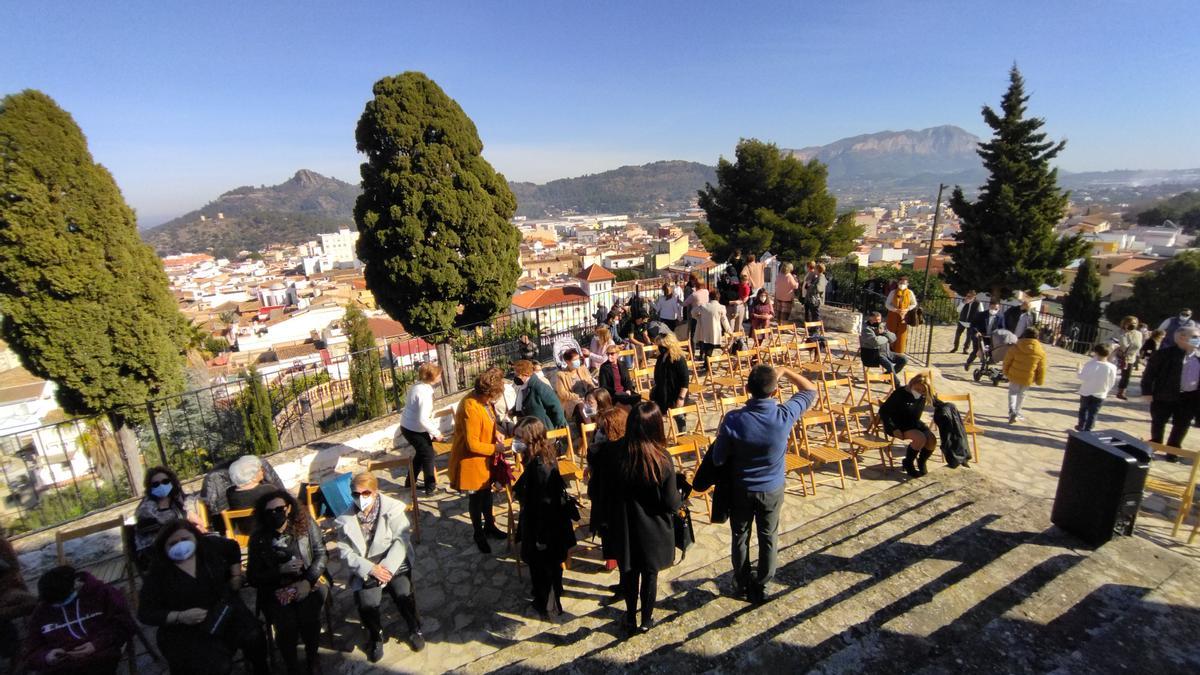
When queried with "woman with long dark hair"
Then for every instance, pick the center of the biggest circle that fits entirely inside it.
(190, 594)
(162, 502)
(545, 523)
(286, 563)
(635, 494)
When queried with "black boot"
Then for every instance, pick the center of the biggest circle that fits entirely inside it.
(909, 468)
(922, 459)
(481, 541)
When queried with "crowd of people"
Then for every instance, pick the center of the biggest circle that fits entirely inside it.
(193, 571)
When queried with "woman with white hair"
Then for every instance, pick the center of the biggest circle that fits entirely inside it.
(246, 475)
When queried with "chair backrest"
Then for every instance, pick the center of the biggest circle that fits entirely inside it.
(763, 335)
(871, 378)
(814, 327)
(840, 383)
(642, 377)
(387, 464)
(587, 431)
(787, 330)
(232, 516)
(721, 366)
(310, 491)
(727, 403)
(565, 432)
(816, 418)
(969, 413)
(629, 353)
(685, 411)
(62, 536)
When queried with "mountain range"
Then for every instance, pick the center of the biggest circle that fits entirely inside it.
(861, 168)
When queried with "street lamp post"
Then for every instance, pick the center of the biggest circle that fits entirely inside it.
(937, 211)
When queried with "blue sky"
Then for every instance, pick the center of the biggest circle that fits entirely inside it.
(185, 100)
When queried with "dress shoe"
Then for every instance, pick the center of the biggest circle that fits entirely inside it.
(416, 640)
(375, 651)
(647, 624)
(494, 532)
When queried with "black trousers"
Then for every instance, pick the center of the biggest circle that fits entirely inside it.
(547, 578)
(671, 323)
(812, 312)
(1179, 413)
(958, 335)
(295, 622)
(422, 444)
(400, 588)
(1123, 383)
(479, 505)
(630, 581)
(976, 346)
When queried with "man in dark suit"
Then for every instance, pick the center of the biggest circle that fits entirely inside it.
(1172, 379)
(968, 310)
(614, 376)
(983, 326)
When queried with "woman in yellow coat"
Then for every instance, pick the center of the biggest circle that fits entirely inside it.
(899, 303)
(1024, 366)
(476, 439)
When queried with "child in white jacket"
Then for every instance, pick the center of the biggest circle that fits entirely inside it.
(1096, 378)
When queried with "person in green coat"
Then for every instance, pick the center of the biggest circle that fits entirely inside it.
(535, 398)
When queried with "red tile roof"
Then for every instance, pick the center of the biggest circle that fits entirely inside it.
(595, 272)
(414, 346)
(545, 297)
(382, 328)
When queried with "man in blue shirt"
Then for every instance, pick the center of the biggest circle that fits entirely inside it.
(753, 441)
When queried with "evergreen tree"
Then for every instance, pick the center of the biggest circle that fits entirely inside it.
(1008, 241)
(767, 201)
(434, 215)
(1082, 303)
(1161, 294)
(366, 381)
(258, 419)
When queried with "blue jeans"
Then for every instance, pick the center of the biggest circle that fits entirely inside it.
(1089, 406)
(761, 508)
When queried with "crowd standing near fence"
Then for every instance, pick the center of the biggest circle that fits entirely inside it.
(625, 411)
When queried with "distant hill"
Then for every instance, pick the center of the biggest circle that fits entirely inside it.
(292, 212)
(895, 156)
(651, 188)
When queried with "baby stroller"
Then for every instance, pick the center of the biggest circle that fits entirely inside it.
(991, 364)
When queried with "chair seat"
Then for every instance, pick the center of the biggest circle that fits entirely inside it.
(568, 468)
(824, 453)
(871, 442)
(795, 462)
(972, 429)
(443, 447)
(726, 381)
(698, 440)
(1165, 487)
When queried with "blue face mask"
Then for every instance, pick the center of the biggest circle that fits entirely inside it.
(162, 491)
(1195, 342)
(182, 550)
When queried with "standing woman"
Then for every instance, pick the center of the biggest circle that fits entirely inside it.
(1129, 346)
(737, 306)
(286, 563)
(785, 292)
(635, 491)
(572, 382)
(418, 427)
(191, 595)
(761, 311)
(671, 376)
(815, 295)
(475, 441)
(601, 340)
(901, 416)
(899, 303)
(163, 502)
(697, 298)
(547, 534)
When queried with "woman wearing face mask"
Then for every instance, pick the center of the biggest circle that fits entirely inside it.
(373, 540)
(761, 312)
(899, 303)
(190, 594)
(163, 502)
(535, 398)
(476, 439)
(671, 376)
(285, 562)
(545, 524)
(901, 416)
(572, 383)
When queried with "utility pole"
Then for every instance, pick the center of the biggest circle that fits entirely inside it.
(933, 233)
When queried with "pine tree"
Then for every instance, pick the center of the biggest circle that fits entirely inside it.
(434, 215)
(366, 381)
(258, 419)
(1008, 241)
(766, 201)
(1082, 303)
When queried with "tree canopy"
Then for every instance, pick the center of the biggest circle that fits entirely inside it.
(1082, 304)
(1161, 294)
(1183, 209)
(767, 201)
(434, 215)
(85, 302)
(1008, 241)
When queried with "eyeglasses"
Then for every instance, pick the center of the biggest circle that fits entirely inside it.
(364, 493)
(158, 483)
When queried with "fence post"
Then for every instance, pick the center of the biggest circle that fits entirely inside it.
(395, 381)
(162, 453)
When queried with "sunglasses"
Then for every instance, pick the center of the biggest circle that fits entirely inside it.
(364, 493)
(157, 483)
(278, 509)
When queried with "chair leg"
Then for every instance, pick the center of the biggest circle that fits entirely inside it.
(1185, 507)
(812, 478)
(842, 472)
(854, 463)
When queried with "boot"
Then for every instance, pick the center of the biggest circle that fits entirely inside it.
(1121, 394)
(481, 541)
(489, 524)
(925, 454)
(909, 468)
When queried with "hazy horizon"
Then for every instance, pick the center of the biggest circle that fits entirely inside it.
(182, 103)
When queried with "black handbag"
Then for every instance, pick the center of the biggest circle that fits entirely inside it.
(681, 520)
(219, 618)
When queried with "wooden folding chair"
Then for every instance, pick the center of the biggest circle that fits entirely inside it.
(1184, 492)
(787, 332)
(727, 403)
(806, 356)
(838, 394)
(693, 428)
(870, 390)
(632, 354)
(723, 378)
(826, 452)
(813, 328)
(839, 357)
(864, 438)
(569, 468)
(231, 516)
(795, 462)
(763, 337)
(644, 379)
(969, 426)
(677, 452)
(390, 464)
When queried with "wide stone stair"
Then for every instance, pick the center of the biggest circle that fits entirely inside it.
(951, 573)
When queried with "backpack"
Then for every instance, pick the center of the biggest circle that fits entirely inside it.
(953, 434)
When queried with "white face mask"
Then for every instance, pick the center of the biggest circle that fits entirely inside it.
(1194, 341)
(589, 409)
(182, 550)
(993, 312)
(364, 502)
(903, 286)
(576, 363)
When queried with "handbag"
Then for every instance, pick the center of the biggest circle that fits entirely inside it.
(915, 317)
(681, 520)
(499, 470)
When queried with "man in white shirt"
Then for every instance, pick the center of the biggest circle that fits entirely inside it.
(418, 427)
(1096, 378)
(668, 306)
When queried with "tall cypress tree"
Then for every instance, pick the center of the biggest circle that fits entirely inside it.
(366, 382)
(85, 302)
(1008, 241)
(258, 419)
(1082, 304)
(434, 215)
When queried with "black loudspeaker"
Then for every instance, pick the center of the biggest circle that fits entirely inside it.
(1100, 486)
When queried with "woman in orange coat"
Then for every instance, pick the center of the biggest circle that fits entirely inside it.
(899, 303)
(476, 439)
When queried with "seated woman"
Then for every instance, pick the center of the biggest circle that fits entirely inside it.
(190, 594)
(286, 563)
(249, 482)
(901, 417)
(163, 501)
(598, 349)
(572, 383)
(547, 534)
(373, 540)
(614, 378)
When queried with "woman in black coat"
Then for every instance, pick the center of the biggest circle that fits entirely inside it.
(901, 416)
(190, 594)
(286, 563)
(545, 528)
(671, 377)
(635, 494)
